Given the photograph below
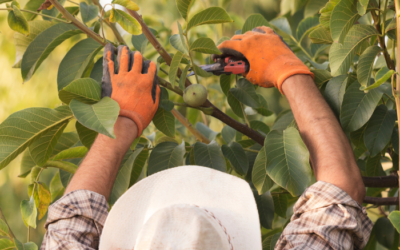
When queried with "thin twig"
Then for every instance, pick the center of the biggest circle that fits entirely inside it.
(9, 228)
(73, 2)
(251, 150)
(190, 127)
(37, 13)
(78, 24)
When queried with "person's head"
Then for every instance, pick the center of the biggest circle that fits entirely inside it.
(187, 207)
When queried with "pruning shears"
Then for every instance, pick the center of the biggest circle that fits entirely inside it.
(225, 66)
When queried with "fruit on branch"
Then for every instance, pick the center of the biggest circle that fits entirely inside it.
(195, 95)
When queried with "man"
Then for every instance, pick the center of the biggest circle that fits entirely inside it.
(327, 216)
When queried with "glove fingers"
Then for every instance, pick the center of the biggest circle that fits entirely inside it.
(150, 69)
(145, 67)
(123, 59)
(137, 64)
(118, 61)
(131, 59)
(237, 37)
(108, 63)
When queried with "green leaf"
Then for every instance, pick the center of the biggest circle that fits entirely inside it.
(17, 21)
(379, 129)
(245, 93)
(282, 24)
(265, 208)
(85, 90)
(165, 122)
(27, 164)
(122, 180)
(280, 204)
(334, 92)
(138, 165)
(373, 166)
(235, 105)
(343, 17)
(6, 244)
(42, 198)
(32, 5)
(260, 127)
(52, 12)
(305, 27)
(22, 41)
(63, 165)
(283, 120)
(237, 157)
(225, 83)
(173, 69)
(182, 79)
(127, 4)
(88, 12)
(56, 187)
(357, 107)
(184, 6)
(313, 7)
(288, 160)
(366, 64)
(341, 55)
(127, 22)
(380, 81)
(165, 103)
(97, 70)
(326, 12)
(206, 131)
(3, 228)
(260, 178)
(29, 212)
(228, 134)
(42, 45)
(21, 128)
(209, 155)
(205, 45)
(25, 246)
(321, 76)
(263, 108)
(140, 42)
(41, 149)
(320, 35)
(74, 64)
(394, 217)
(210, 15)
(66, 140)
(253, 21)
(178, 44)
(362, 6)
(166, 155)
(99, 117)
(384, 232)
(71, 153)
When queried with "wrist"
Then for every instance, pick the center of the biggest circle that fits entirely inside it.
(292, 82)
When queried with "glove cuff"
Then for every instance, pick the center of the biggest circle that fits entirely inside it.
(135, 117)
(283, 67)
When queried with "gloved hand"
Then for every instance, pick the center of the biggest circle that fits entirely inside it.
(271, 60)
(133, 84)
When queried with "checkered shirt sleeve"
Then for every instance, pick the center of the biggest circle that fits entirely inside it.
(326, 217)
(75, 221)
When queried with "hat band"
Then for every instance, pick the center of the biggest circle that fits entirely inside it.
(219, 223)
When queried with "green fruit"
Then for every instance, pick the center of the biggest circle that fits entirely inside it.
(195, 95)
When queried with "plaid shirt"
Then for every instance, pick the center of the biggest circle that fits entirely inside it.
(325, 217)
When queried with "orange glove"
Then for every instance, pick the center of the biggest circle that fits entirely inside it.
(133, 85)
(271, 60)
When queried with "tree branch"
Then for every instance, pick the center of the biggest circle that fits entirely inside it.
(217, 113)
(78, 24)
(382, 181)
(381, 201)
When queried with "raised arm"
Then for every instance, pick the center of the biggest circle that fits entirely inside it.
(76, 220)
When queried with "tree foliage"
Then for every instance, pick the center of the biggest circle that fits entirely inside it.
(348, 44)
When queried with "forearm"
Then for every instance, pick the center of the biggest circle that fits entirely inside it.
(99, 169)
(330, 151)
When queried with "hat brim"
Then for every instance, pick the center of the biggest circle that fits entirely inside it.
(229, 198)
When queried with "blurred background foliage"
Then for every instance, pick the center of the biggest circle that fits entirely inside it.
(41, 90)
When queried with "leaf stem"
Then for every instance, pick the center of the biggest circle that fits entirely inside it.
(190, 127)
(12, 236)
(301, 47)
(78, 24)
(251, 150)
(388, 96)
(191, 58)
(37, 13)
(73, 2)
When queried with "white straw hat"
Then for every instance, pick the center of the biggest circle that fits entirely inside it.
(188, 207)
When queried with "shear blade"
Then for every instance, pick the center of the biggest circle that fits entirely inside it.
(209, 68)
